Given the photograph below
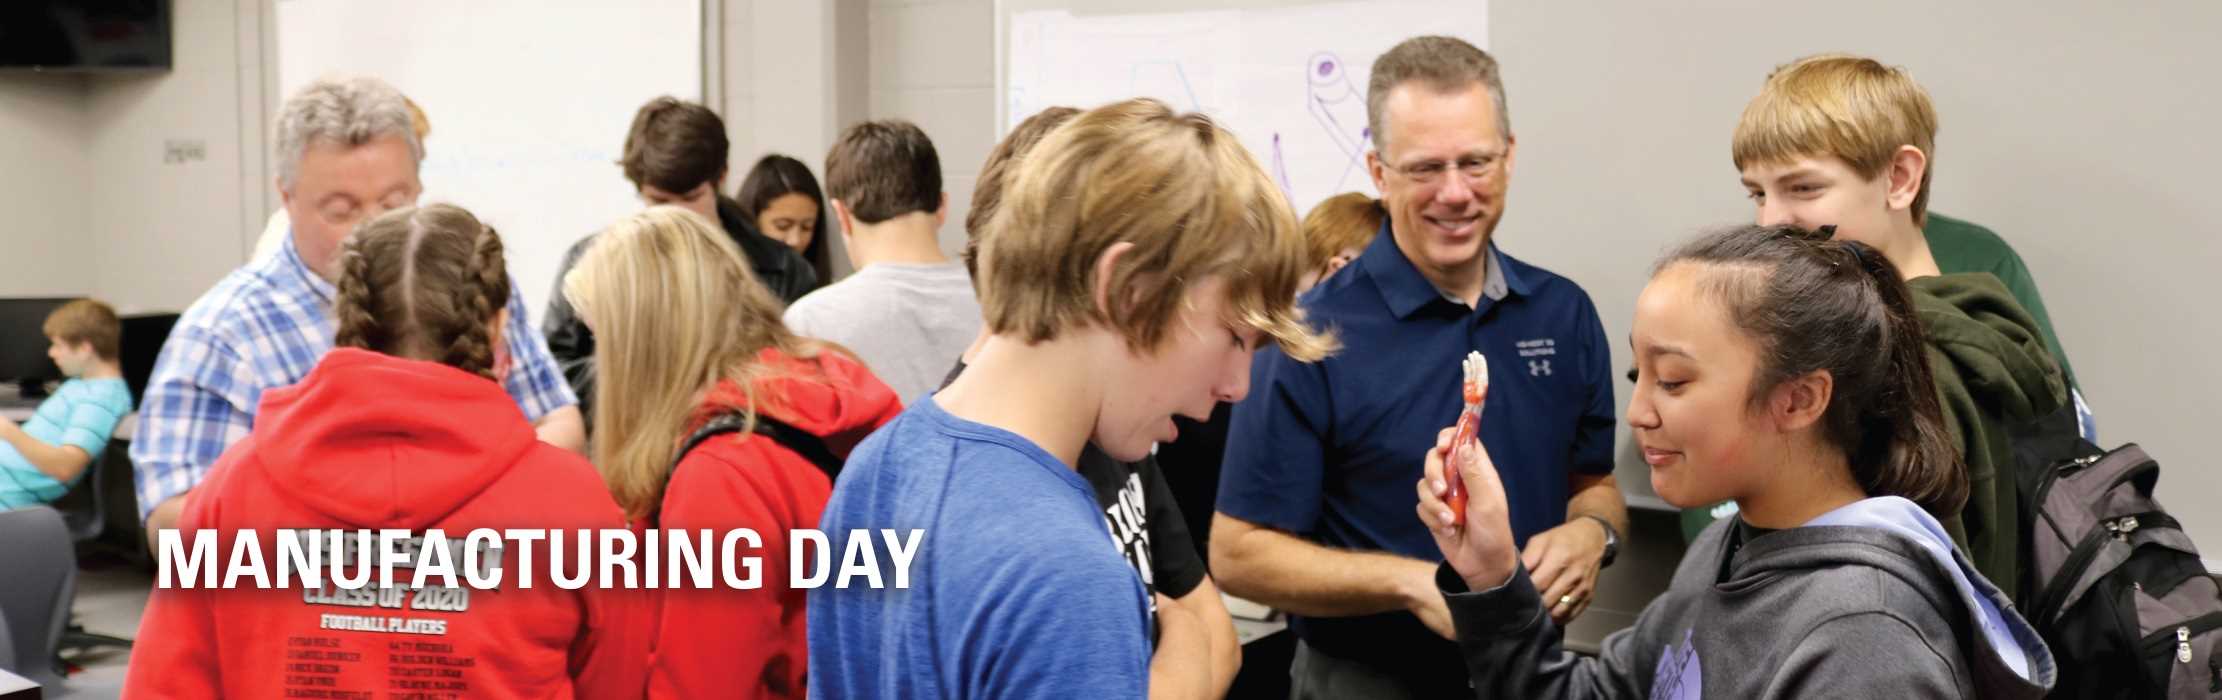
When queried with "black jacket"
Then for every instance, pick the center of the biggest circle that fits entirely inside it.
(779, 267)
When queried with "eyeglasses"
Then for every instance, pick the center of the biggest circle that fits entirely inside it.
(1475, 167)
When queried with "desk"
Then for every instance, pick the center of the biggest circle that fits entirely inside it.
(1252, 621)
(1247, 631)
(14, 687)
(13, 405)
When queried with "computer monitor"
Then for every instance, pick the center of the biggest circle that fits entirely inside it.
(23, 359)
(143, 336)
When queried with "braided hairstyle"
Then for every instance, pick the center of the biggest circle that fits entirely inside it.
(423, 283)
(1818, 303)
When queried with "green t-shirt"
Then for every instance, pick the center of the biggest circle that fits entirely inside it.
(1958, 246)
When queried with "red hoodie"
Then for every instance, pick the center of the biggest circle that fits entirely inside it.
(751, 644)
(372, 441)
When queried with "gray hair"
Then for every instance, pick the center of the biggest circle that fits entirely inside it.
(345, 111)
(1444, 64)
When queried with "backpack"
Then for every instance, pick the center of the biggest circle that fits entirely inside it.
(810, 447)
(2111, 581)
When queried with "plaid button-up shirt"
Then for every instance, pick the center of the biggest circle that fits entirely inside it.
(265, 326)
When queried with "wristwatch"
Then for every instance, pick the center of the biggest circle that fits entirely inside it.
(1612, 541)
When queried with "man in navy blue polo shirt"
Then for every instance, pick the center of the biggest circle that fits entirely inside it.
(1315, 499)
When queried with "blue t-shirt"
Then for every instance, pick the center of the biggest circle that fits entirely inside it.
(1017, 589)
(1330, 451)
(82, 413)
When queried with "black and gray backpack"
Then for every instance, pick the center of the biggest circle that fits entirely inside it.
(2113, 584)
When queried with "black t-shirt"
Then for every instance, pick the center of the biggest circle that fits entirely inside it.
(1740, 534)
(1191, 467)
(1144, 518)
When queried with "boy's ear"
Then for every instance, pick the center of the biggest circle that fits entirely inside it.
(1511, 149)
(1106, 264)
(1800, 402)
(845, 226)
(941, 212)
(841, 221)
(1907, 167)
(1377, 170)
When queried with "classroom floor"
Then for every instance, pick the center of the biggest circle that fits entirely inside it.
(110, 599)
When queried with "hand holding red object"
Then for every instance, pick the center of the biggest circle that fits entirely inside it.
(1467, 436)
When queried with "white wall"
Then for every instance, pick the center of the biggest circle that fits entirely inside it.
(82, 168)
(45, 244)
(933, 63)
(791, 75)
(163, 232)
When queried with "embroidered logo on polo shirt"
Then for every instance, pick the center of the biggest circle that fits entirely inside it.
(1537, 348)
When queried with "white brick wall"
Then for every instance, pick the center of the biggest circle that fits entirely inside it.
(162, 233)
(933, 63)
(788, 88)
(44, 183)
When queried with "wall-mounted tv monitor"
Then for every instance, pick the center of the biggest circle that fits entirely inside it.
(85, 35)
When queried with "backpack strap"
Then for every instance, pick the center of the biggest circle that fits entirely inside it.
(801, 442)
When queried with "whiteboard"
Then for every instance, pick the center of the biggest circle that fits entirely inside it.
(529, 101)
(1290, 82)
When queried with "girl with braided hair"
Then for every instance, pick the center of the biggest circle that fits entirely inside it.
(689, 338)
(403, 425)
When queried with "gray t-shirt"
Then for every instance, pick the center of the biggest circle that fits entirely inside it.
(908, 322)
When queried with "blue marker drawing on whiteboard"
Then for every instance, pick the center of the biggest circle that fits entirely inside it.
(1150, 79)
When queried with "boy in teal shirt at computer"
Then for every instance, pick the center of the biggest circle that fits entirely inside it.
(41, 458)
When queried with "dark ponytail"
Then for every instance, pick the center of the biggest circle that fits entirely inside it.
(422, 283)
(1814, 304)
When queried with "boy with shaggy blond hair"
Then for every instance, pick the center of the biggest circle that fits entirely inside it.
(1833, 125)
(1138, 259)
(1847, 142)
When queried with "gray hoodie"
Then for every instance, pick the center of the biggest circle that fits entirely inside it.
(1869, 601)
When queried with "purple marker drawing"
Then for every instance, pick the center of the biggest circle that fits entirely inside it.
(1337, 104)
(1280, 168)
(1333, 100)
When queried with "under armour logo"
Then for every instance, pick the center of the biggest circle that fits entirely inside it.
(1539, 368)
